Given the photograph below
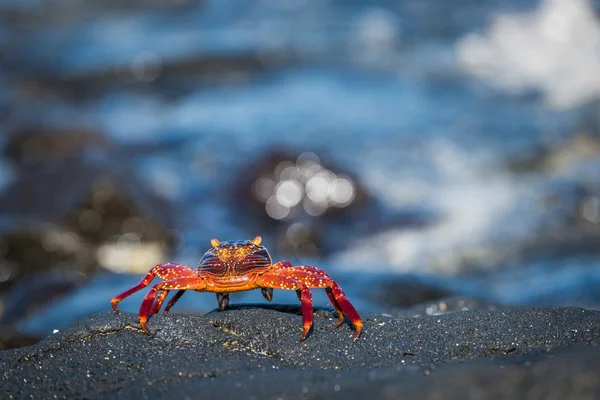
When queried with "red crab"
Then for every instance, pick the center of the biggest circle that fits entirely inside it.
(234, 266)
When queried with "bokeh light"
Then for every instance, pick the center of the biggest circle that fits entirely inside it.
(302, 184)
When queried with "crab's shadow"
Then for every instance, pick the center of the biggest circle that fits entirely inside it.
(322, 312)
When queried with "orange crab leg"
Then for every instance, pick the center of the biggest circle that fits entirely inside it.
(316, 278)
(348, 308)
(147, 306)
(294, 271)
(337, 307)
(165, 271)
(270, 280)
(159, 300)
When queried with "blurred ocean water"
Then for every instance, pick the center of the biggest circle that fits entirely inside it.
(436, 106)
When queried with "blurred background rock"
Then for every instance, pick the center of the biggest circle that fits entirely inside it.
(432, 155)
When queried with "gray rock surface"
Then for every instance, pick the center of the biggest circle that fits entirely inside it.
(562, 374)
(253, 352)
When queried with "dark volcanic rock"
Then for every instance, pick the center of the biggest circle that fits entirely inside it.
(34, 292)
(10, 339)
(98, 201)
(565, 374)
(406, 291)
(445, 306)
(252, 352)
(31, 146)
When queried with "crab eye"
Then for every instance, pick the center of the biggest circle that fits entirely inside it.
(257, 240)
(215, 242)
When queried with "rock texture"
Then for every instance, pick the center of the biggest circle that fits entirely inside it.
(253, 352)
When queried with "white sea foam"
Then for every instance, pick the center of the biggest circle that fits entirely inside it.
(555, 49)
(481, 208)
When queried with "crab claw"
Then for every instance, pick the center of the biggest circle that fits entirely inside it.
(257, 240)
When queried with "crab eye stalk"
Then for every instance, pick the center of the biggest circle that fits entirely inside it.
(215, 242)
(257, 240)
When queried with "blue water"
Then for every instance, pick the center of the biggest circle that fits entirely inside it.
(391, 105)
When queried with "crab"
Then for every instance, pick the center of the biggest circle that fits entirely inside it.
(234, 266)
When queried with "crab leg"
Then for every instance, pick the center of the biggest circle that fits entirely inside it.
(223, 300)
(337, 307)
(165, 271)
(348, 308)
(291, 271)
(316, 278)
(173, 300)
(147, 306)
(267, 293)
(270, 280)
(159, 300)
